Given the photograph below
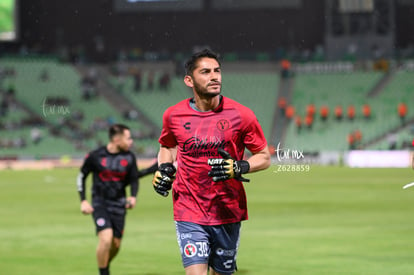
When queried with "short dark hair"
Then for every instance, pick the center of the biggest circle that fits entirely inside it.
(116, 129)
(191, 63)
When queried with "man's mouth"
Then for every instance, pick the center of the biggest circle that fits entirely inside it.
(215, 84)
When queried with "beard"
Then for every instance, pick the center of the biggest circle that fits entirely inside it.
(204, 92)
(123, 148)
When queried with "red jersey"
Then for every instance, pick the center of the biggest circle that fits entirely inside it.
(197, 135)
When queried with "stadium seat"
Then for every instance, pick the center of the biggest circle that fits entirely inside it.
(63, 82)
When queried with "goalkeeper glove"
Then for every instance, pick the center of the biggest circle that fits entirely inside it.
(163, 179)
(227, 167)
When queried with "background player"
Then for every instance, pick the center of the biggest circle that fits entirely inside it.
(208, 197)
(114, 167)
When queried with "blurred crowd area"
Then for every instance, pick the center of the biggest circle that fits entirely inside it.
(54, 104)
(80, 55)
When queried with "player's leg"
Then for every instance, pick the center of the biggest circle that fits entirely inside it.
(213, 272)
(105, 235)
(118, 225)
(196, 269)
(224, 247)
(116, 244)
(104, 247)
(194, 244)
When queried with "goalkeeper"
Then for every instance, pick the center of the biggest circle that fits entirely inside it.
(206, 137)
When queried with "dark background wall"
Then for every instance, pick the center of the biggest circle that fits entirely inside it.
(47, 24)
(404, 23)
(50, 22)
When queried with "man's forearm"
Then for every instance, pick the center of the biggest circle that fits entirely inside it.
(149, 170)
(259, 161)
(166, 155)
(134, 188)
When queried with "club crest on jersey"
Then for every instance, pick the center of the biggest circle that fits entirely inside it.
(100, 221)
(190, 250)
(124, 162)
(223, 124)
(103, 162)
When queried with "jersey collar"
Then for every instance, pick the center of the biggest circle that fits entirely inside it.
(219, 108)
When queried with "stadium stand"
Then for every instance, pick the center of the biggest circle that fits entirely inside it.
(153, 102)
(399, 140)
(399, 90)
(247, 88)
(77, 123)
(332, 90)
(258, 91)
(47, 146)
(52, 91)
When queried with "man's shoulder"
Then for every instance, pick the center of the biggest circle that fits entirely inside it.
(128, 154)
(93, 156)
(229, 103)
(98, 151)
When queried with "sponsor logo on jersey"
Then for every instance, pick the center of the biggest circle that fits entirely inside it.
(203, 147)
(224, 252)
(228, 264)
(196, 143)
(108, 175)
(100, 221)
(190, 250)
(186, 236)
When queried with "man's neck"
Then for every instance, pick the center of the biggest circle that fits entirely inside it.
(205, 104)
(112, 148)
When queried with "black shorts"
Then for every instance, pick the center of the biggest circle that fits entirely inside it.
(215, 245)
(104, 219)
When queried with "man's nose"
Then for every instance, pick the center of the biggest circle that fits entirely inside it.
(214, 76)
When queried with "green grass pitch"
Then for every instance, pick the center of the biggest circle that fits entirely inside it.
(330, 220)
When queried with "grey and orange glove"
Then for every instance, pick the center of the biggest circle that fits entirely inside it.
(227, 168)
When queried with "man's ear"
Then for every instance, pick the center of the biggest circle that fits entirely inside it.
(188, 80)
